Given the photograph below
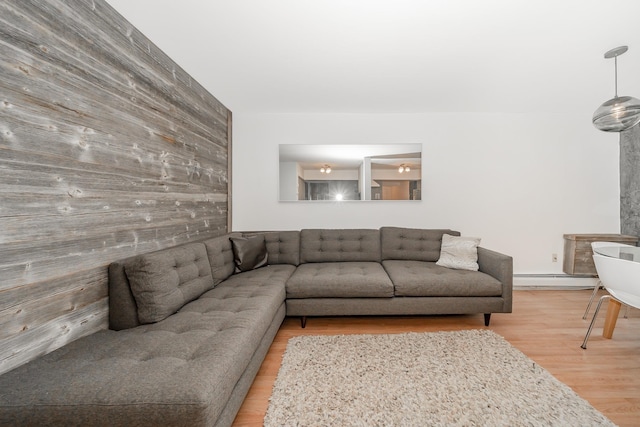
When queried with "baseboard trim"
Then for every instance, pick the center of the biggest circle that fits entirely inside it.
(553, 281)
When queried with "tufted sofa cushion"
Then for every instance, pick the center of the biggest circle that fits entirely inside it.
(426, 279)
(220, 254)
(177, 372)
(412, 244)
(123, 311)
(164, 281)
(339, 280)
(318, 245)
(283, 247)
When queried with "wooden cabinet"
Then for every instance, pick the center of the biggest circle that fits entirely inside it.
(578, 254)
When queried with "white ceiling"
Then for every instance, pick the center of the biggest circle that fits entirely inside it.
(398, 55)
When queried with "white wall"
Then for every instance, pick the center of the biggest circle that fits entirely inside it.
(518, 181)
(288, 177)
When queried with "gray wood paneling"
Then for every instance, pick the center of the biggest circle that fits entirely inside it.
(107, 149)
(630, 181)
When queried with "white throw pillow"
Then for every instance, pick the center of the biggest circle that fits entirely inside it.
(459, 252)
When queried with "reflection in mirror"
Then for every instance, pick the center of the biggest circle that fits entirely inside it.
(350, 172)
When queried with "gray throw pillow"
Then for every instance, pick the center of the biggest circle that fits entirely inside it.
(249, 253)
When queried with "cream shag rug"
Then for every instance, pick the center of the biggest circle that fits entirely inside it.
(462, 378)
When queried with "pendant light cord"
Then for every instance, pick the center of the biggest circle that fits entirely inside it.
(615, 59)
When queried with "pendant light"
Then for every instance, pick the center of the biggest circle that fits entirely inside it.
(620, 112)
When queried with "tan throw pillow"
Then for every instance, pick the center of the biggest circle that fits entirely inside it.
(249, 252)
(458, 252)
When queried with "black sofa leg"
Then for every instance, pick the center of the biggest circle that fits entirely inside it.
(487, 319)
(303, 321)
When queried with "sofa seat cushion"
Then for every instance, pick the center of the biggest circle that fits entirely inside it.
(339, 280)
(179, 371)
(426, 279)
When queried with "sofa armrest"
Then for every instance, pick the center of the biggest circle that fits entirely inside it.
(499, 266)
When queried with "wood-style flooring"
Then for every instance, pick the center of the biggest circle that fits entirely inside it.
(546, 325)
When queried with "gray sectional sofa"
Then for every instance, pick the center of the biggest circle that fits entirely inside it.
(191, 325)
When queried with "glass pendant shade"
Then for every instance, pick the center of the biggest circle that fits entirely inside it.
(617, 114)
(620, 112)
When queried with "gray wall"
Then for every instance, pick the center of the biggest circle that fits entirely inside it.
(107, 149)
(630, 181)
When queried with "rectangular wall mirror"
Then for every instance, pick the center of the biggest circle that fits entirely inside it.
(350, 172)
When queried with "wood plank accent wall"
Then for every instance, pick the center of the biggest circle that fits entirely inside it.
(630, 181)
(107, 149)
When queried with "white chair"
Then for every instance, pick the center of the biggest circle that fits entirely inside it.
(595, 245)
(621, 278)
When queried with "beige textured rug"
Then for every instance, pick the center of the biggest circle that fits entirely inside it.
(462, 378)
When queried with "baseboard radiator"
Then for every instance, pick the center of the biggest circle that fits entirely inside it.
(554, 281)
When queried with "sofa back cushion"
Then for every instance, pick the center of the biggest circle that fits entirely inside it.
(123, 311)
(328, 245)
(412, 243)
(163, 282)
(220, 255)
(283, 247)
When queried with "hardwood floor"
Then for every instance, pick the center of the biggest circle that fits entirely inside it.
(546, 325)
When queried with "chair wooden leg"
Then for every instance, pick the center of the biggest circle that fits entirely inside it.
(613, 310)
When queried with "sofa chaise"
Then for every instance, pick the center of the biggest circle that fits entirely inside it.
(191, 325)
